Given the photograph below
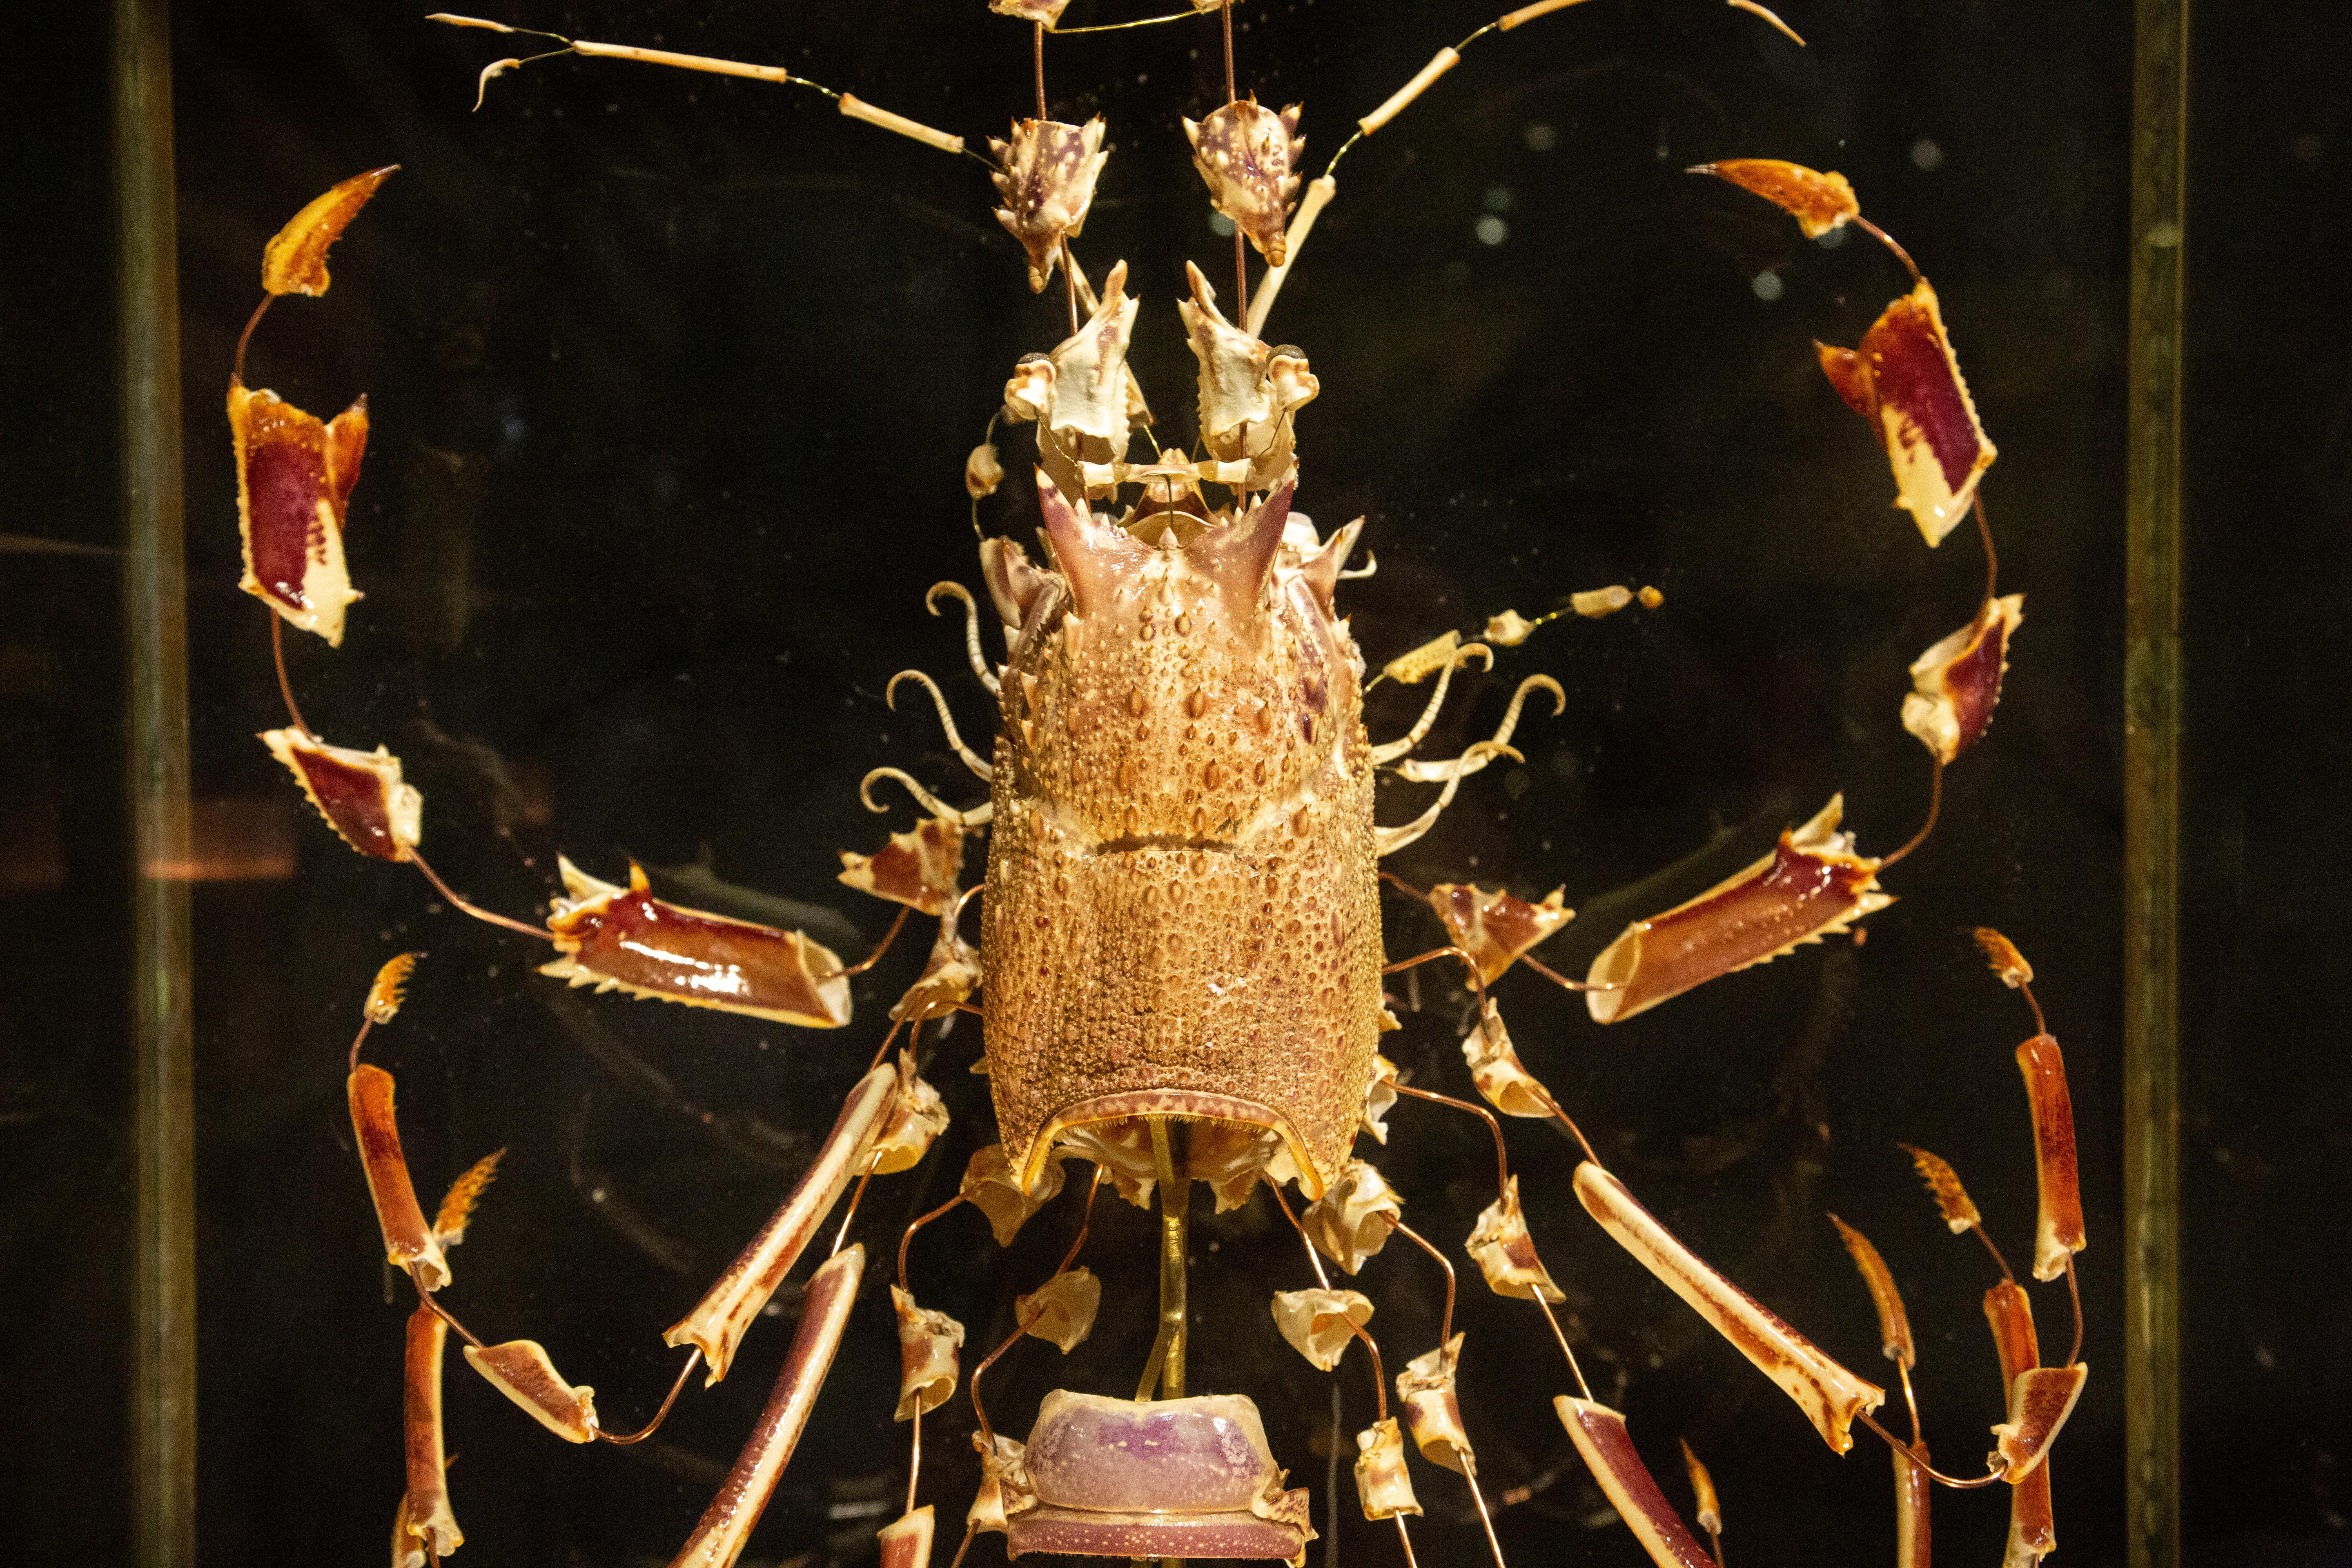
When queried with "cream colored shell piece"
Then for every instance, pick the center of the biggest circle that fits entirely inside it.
(1244, 153)
(1062, 1309)
(1494, 1067)
(983, 471)
(918, 1115)
(1506, 1254)
(950, 977)
(1432, 1411)
(1079, 394)
(1234, 392)
(1382, 1483)
(1320, 1324)
(1089, 393)
(1379, 1096)
(1248, 392)
(928, 1364)
(1046, 183)
(1354, 1220)
(1003, 1483)
(990, 1187)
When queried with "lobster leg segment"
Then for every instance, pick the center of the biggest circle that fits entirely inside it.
(928, 1364)
(906, 1541)
(1318, 1324)
(718, 1540)
(522, 1371)
(2058, 1226)
(717, 1322)
(1433, 1410)
(1599, 1436)
(408, 1242)
(1505, 1252)
(1812, 885)
(1830, 1395)
(1382, 1484)
(427, 1510)
(616, 938)
(2040, 1400)
(361, 795)
(1912, 1491)
(294, 478)
(2032, 1523)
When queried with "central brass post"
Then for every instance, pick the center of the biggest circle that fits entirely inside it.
(1166, 1367)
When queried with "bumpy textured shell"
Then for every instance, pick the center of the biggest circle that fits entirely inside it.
(1181, 912)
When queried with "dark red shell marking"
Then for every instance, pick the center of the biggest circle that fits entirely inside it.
(1972, 680)
(1797, 895)
(406, 1237)
(353, 797)
(919, 868)
(636, 940)
(1911, 373)
(292, 461)
(2010, 1314)
(2033, 1527)
(1600, 1437)
(284, 480)
(2058, 1232)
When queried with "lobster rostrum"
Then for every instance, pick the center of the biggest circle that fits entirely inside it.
(1180, 959)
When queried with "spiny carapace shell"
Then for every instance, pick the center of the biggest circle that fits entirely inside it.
(1181, 912)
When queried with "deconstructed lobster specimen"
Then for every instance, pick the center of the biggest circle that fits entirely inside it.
(1181, 957)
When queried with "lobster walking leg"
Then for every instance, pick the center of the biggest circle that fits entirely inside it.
(426, 1508)
(1599, 1436)
(719, 1321)
(718, 1540)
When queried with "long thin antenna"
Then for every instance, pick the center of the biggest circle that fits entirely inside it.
(1241, 246)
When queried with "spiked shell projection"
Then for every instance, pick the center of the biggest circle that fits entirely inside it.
(1248, 391)
(1819, 202)
(295, 259)
(625, 939)
(361, 793)
(1048, 182)
(1246, 153)
(1078, 397)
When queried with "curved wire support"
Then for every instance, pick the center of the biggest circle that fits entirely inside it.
(1371, 564)
(1387, 841)
(978, 816)
(970, 628)
(1470, 761)
(1389, 751)
(946, 721)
